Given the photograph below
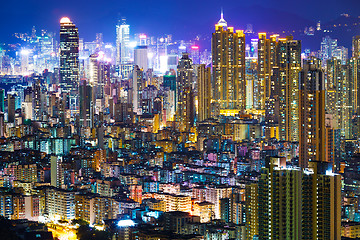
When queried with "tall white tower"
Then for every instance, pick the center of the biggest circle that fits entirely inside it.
(122, 42)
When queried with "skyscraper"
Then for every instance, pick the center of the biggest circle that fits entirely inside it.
(86, 104)
(228, 62)
(286, 89)
(266, 61)
(69, 54)
(312, 113)
(279, 201)
(356, 47)
(141, 57)
(122, 42)
(327, 48)
(2, 100)
(185, 109)
(296, 203)
(204, 95)
(339, 95)
(137, 85)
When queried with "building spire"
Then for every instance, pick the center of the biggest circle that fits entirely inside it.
(222, 21)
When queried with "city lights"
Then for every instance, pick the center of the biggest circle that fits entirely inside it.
(126, 223)
(205, 132)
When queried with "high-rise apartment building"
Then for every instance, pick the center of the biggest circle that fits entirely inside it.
(286, 87)
(311, 113)
(204, 93)
(279, 201)
(185, 109)
(137, 85)
(295, 203)
(340, 95)
(69, 54)
(266, 61)
(86, 104)
(228, 62)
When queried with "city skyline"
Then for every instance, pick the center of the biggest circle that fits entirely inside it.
(164, 137)
(102, 19)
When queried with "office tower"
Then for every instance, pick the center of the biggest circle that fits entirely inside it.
(286, 89)
(69, 54)
(141, 57)
(137, 85)
(11, 108)
(327, 48)
(356, 47)
(266, 61)
(122, 42)
(228, 62)
(311, 113)
(204, 93)
(195, 54)
(93, 69)
(185, 109)
(86, 104)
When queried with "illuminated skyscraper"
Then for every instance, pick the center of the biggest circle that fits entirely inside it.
(204, 95)
(98, 74)
(252, 210)
(286, 90)
(185, 109)
(122, 42)
(311, 113)
(228, 62)
(252, 95)
(195, 54)
(340, 95)
(69, 54)
(327, 48)
(266, 61)
(141, 57)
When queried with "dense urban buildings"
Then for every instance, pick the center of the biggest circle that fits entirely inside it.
(155, 138)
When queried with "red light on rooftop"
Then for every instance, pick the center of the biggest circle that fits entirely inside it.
(194, 47)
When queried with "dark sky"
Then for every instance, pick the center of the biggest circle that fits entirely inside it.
(180, 18)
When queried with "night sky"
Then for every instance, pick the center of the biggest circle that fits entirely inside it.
(180, 18)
